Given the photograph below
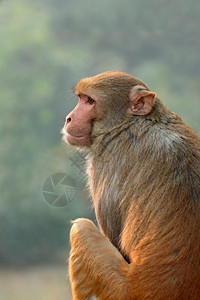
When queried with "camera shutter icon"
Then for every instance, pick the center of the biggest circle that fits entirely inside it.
(59, 189)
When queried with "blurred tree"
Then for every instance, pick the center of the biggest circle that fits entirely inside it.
(34, 73)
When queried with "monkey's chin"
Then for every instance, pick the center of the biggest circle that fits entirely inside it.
(77, 141)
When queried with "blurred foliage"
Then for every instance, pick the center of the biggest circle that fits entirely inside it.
(46, 46)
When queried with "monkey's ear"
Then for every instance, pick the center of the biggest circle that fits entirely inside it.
(141, 101)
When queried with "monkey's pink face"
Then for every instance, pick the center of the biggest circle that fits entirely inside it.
(78, 126)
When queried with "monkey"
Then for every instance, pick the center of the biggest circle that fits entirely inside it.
(143, 169)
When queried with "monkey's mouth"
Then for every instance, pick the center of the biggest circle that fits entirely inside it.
(66, 133)
(73, 139)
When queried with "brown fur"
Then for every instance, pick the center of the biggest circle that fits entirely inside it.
(144, 177)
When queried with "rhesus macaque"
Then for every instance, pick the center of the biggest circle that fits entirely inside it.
(143, 167)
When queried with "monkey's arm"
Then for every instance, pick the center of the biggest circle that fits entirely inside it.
(95, 266)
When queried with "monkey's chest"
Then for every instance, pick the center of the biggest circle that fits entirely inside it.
(109, 220)
(106, 202)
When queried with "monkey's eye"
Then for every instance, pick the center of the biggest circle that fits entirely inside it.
(90, 100)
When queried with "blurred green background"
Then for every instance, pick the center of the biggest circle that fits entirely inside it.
(45, 47)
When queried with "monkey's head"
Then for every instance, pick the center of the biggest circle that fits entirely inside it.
(105, 101)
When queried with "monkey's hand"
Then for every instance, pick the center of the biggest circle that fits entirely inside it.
(95, 266)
